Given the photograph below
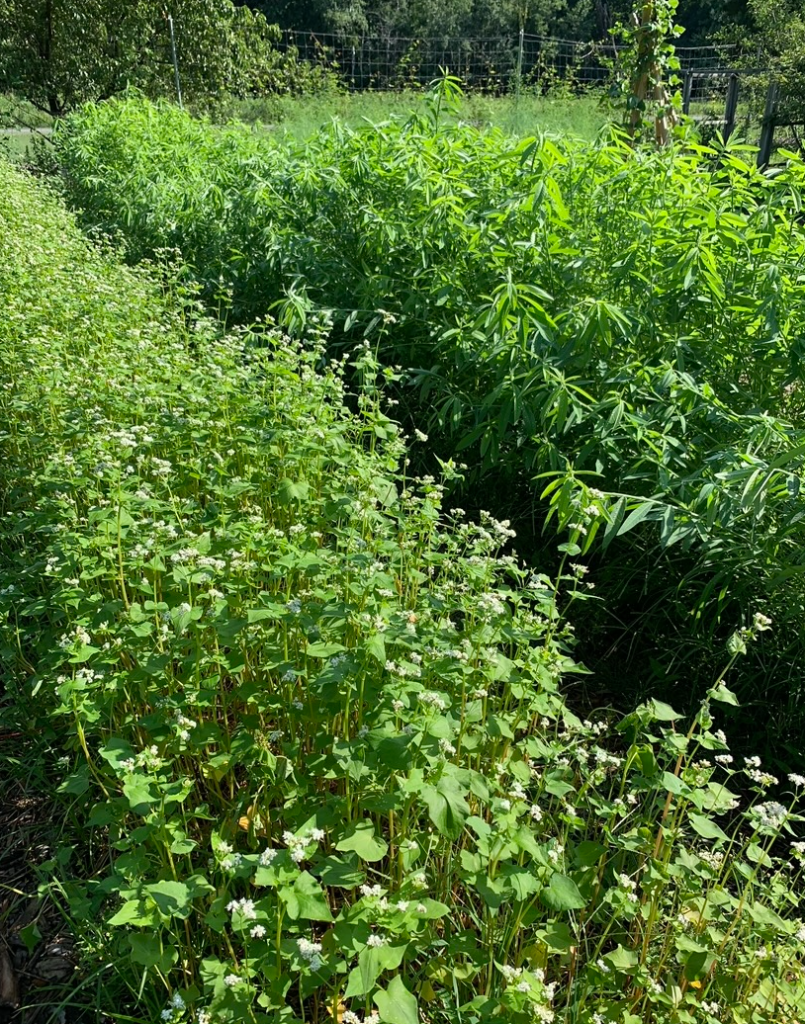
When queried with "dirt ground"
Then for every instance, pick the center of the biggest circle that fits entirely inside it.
(37, 962)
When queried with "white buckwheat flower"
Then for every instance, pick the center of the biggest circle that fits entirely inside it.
(246, 907)
(771, 815)
(310, 951)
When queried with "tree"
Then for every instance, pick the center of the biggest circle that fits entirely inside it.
(59, 53)
(342, 16)
(777, 41)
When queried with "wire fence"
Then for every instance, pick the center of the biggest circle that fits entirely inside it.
(485, 64)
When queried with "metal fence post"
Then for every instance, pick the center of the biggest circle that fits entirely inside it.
(767, 132)
(175, 62)
(519, 72)
(687, 88)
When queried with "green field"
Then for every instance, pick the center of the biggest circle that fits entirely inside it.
(401, 566)
(579, 116)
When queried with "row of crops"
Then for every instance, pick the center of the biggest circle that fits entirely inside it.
(323, 743)
(609, 340)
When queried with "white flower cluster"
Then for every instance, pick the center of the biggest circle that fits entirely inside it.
(349, 1017)
(517, 791)
(372, 891)
(629, 885)
(490, 604)
(771, 815)
(78, 636)
(230, 860)
(432, 700)
(185, 725)
(713, 858)
(311, 952)
(762, 778)
(555, 853)
(148, 758)
(297, 845)
(244, 906)
(510, 973)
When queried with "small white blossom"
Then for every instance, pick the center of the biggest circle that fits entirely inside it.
(509, 973)
(771, 815)
(433, 700)
(372, 890)
(246, 908)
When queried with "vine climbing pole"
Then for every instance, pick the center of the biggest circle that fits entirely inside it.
(652, 63)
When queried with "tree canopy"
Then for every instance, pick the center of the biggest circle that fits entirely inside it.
(59, 53)
(703, 20)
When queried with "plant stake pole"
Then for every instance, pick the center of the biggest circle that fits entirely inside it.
(175, 63)
(519, 71)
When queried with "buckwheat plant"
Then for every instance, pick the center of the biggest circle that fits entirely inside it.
(320, 764)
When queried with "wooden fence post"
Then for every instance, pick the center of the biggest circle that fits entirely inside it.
(730, 107)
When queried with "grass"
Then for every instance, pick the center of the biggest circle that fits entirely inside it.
(18, 123)
(300, 118)
(19, 113)
(24, 147)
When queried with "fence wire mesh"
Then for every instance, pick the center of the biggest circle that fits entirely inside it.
(487, 64)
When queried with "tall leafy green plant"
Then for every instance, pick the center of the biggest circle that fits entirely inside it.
(610, 334)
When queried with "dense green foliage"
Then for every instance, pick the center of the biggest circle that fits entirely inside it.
(617, 331)
(312, 746)
(58, 55)
(573, 19)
